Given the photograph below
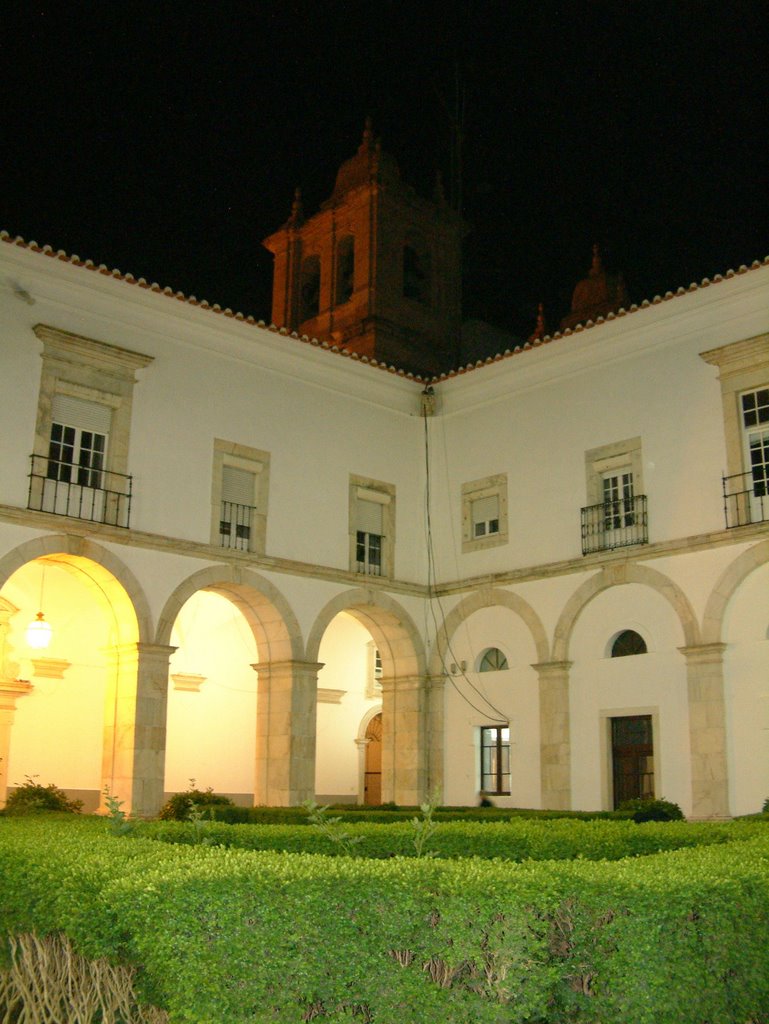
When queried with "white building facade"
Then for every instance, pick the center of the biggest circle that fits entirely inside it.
(286, 573)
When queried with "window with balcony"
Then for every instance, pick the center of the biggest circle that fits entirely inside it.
(80, 459)
(616, 516)
(743, 373)
(372, 526)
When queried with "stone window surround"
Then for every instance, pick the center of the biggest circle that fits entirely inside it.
(368, 489)
(742, 366)
(93, 371)
(473, 490)
(251, 460)
(615, 456)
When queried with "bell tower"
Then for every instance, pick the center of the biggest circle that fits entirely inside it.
(376, 270)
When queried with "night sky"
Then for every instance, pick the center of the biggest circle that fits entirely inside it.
(166, 138)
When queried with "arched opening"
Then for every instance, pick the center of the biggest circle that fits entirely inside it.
(626, 644)
(64, 707)
(212, 700)
(349, 689)
(309, 288)
(410, 769)
(492, 660)
(345, 269)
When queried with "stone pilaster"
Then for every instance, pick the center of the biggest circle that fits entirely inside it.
(10, 691)
(286, 713)
(707, 730)
(554, 734)
(435, 699)
(404, 761)
(133, 755)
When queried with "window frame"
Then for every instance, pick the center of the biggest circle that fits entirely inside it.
(367, 489)
(499, 745)
(96, 372)
(249, 460)
(743, 366)
(477, 490)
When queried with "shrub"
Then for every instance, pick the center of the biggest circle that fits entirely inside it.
(765, 808)
(645, 809)
(33, 797)
(178, 807)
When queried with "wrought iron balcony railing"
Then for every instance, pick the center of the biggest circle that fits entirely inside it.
(746, 497)
(614, 524)
(81, 492)
(235, 525)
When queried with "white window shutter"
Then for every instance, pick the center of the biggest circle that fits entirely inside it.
(76, 412)
(485, 509)
(369, 519)
(237, 486)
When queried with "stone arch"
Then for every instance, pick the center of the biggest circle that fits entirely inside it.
(614, 576)
(487, 598)
(407, 714)
(268, 613)
(726, 587)
(392, 628)
(102, 570)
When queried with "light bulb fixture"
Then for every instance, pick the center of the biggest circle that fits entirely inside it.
(39, 632)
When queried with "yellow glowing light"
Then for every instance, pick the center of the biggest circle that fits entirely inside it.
(39, 633)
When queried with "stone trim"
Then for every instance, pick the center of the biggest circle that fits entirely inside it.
(742, 366)
(474, 490)
(252, 460)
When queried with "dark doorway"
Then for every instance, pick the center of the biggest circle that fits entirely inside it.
(632, 757)
(372, 785)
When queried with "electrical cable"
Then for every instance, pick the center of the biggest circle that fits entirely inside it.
(498, 716)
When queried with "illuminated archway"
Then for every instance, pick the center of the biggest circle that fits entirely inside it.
(81, 724)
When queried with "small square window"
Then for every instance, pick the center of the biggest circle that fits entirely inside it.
(484, 513)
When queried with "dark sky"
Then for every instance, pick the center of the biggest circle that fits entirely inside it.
(166, 138)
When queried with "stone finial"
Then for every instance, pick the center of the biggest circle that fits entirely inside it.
(539, 330)
(297, 210)
(596, 266)
(368, 134)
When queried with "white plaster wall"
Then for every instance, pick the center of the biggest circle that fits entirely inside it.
(510, 694)
(746, 689)
(652, 683)
(345, 653)
(211, 734)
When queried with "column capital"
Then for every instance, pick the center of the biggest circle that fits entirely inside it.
(277, 667)
(545, 668)
(703, 654)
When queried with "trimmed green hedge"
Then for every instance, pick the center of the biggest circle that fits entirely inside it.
(516, 840)
(225, 936)
(385, 815)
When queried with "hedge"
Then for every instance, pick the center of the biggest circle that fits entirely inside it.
(225, 936)
(516, 840)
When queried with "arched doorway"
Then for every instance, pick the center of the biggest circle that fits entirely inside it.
(372, 775)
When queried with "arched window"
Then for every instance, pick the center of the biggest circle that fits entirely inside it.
(492, 660)
(309, 288)
(416, 274)
(345, 269)
(628, 642)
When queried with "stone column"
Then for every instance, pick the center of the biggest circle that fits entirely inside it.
(707, 730)
(286, 713)
(10, 691)
(133, 756)
(404, 761)
(362, 743)
(554, 734)
(436, 695)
